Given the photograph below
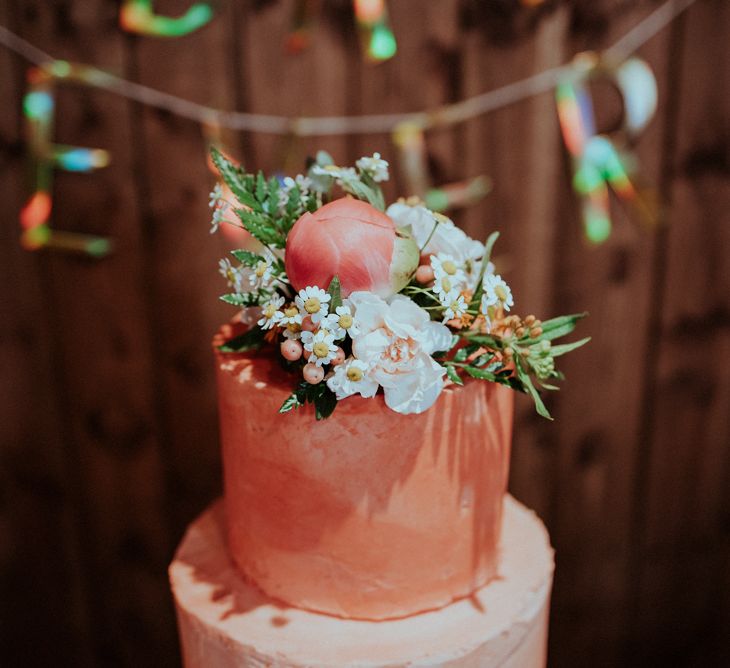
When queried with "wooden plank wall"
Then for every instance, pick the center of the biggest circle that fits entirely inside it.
(109, 429)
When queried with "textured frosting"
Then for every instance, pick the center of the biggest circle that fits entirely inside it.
(227, 623)
(369, 514)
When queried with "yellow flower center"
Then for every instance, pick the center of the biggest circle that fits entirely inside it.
(260, 269)
(501, 294)
(345, 321)
(449, 267)
(312, 305)
(294, 327)
(270, 311)
(321, 349)
(446, 284)
(354, 373)
(291, 311)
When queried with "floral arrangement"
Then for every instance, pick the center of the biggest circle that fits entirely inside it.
(360, 298)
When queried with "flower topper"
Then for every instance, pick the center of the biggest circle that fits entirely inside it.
(361, 299)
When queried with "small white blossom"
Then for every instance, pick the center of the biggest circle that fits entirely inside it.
(341, 322)
(455, 308)
(217, 219)
(271, 315)
(320, 345)
(216, 198)
(342, 175)
(444, 288)
(262, 274)
(234, 275)
(291, 321)
(496, 292)
(351, 377)
(445, 265)
(314, 302)
(375, 166)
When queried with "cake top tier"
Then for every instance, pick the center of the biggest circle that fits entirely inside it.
(360, 299)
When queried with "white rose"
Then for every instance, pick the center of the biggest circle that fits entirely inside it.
(396, 340)
(446, 238)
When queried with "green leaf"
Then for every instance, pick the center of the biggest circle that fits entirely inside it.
(335, 292)
(240, 299)
(560, 326)
(481, 374)
(378, 200)
(260, 187)
(453, 375)
(247, 258)
(272, 202)
(461, 355)
(556, 351)
(291, 402)
(232, 174)
(261, 227)
(253, 339)
(325, 402)
(532, 391)
(366, 193)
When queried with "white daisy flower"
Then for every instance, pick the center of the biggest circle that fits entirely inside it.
(342, 175)
(262, 274)
(233, 275)
(341, 322)
(291, 321)
(444, 287)
(455, 308)
(496, 292)
(320, 345)
(313, 301)
(271, 315)
(376, 167)
(351, 377)
(445, 265)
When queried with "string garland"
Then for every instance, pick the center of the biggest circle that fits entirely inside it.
(598, 161)
(445, 115)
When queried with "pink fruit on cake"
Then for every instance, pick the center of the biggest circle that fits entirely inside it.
(355, 241)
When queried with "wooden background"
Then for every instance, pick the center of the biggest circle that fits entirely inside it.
(107, 413)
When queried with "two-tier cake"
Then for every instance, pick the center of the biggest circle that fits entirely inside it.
(366, 402)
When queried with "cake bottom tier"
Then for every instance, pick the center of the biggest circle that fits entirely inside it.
(225, 622)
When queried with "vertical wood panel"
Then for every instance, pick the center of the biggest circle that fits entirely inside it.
(180, 257)
(598, 412)
(97, 318)
(685, 537)
(41, 586)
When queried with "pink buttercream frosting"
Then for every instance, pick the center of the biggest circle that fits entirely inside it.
(369, 514)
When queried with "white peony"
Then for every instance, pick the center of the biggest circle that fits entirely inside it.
(446, 238)
(396, 340)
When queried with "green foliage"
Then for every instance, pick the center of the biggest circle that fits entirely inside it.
(488, 246)
(320, 395)
(253, 339)
(247, 258)
(241, 299)
(335, 292)
(260, 213)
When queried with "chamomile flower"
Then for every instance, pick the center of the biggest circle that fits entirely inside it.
(456, 307)
(271, 315)
(375, 166)
(233, 275)
(496, 293)
(341, 322)
(291, 321)
(444, 287)
(261, 274)
(446, 266)
(351, 377)
(320, 345)
(342, 175)
(313, 301)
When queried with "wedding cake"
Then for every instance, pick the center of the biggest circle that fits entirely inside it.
(365, 401)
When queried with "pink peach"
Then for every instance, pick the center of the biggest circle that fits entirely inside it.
(354, 241)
